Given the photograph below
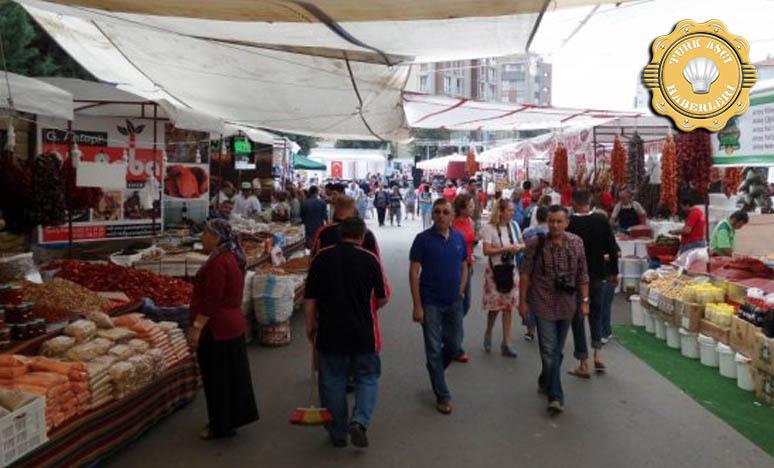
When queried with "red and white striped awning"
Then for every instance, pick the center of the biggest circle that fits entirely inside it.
(429, 111)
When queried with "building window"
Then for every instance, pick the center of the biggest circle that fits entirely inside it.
(492, 91)
(482, 90)
(460, 86)
(423, 82)
(447, 84)
(424, 67)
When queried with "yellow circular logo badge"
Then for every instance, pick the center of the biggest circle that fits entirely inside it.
(699, 75)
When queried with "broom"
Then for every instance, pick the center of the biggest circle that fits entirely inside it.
(312, 415)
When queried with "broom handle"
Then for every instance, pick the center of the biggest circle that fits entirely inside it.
(313, 384)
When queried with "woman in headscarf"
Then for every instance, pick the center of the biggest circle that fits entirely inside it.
(218, 332)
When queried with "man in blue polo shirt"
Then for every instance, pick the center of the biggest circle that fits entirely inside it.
(438, 275)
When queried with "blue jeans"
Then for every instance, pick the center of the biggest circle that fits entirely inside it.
(442, 329)
(334, 369)
(600, 297)
(608, 295)
(551, 337)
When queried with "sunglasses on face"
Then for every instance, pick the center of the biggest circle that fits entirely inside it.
(443, 212)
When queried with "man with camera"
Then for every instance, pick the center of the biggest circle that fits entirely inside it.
(554, 278)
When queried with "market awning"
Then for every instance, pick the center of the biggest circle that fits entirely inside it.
(35, 97)
(338, 10)
(316, 68)
(426, 111)
(302, 162)
(100, 99)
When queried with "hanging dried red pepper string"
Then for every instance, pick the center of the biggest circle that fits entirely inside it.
(668, 199)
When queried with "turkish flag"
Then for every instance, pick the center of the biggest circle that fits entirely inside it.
(337, 169)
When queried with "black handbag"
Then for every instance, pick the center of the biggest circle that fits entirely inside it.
(503, 273)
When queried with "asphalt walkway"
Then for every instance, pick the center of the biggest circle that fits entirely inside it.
(629, 417)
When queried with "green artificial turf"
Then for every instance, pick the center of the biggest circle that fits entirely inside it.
(718, 394)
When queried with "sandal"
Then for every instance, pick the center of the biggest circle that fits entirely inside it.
(529, 337)
(579, 374)
(444, 408)
(599, 366)
(488, 345)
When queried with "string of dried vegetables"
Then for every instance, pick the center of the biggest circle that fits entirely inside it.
(694, 156)
(668, 199)
(560, 177)
(732, 178)
(636, 174)
(618, 164)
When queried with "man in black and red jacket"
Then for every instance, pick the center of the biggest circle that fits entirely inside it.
(328, 234)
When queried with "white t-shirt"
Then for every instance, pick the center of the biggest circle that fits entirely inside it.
(489, 236)
(248, 207)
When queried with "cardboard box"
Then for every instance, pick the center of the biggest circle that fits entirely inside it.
(668, 310)
(690, 316)
(743, 336)
(714, 331)
(764, 386)
(763, 354)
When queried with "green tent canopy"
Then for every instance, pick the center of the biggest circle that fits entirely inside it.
(302, 162)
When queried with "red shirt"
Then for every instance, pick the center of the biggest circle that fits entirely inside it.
(450, 193)
(696, 222)
(465, 227)
(607, 201)
(526, 199)
(217, 294)
(482, 197)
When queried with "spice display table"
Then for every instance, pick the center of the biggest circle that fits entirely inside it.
(97, 434)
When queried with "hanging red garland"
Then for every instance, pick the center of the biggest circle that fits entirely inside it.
(618, 164)
(560, 178)
(668, 197)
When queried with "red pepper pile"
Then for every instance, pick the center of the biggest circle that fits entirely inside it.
(669, 175)
(165, 291)
(694, 156)
(561, 177)
(618, 164)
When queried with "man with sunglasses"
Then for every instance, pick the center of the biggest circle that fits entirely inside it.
(437, 275)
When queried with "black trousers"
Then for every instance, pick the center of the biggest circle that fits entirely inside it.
(381, 213)
(228, 387)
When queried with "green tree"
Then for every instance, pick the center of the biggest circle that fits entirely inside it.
(360, 144)
(305, 142)
(29, 50)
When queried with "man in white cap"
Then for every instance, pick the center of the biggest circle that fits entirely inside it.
(246, 204)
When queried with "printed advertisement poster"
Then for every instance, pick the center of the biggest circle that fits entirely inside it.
(119, 214)
(186, 193)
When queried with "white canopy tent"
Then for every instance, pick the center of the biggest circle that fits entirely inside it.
(425, 111)
(440, 163)
(35, 97)
(284, 65)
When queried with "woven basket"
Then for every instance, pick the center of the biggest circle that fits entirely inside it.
(277, 334)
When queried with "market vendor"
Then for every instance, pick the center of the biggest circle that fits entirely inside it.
(722, 240)
(627, 212)
(692, 232)
(246, 204)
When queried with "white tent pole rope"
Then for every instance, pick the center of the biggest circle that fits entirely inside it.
(360, 100)
(5, 70)
(338, 30)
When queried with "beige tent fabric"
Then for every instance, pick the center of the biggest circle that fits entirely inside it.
(338, 10)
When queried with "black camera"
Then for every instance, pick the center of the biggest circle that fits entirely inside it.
(565, 285)
(506, 257)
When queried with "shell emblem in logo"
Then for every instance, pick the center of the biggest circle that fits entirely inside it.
(699, 75)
